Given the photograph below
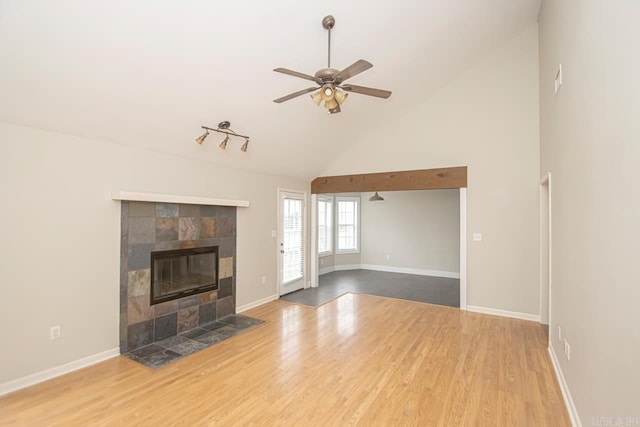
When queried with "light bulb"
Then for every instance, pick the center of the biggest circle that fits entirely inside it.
(327, 93)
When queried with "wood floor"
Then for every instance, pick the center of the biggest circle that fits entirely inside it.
(357, 360)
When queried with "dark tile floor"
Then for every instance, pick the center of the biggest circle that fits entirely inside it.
(171, 349)
(434, 290)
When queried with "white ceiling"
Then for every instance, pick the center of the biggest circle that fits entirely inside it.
(148, 73)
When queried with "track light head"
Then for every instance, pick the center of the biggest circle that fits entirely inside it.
(223, 144)
(202, 137)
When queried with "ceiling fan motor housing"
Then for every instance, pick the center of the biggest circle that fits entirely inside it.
(326, 74)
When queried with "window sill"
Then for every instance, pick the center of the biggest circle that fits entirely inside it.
(348, 251)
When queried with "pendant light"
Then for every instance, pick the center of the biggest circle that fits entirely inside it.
(376, 198)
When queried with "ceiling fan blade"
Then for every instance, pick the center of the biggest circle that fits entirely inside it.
(356, 68)
(297, 74)
(294, 94)
(367, 91)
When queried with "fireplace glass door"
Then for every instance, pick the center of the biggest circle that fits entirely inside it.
(183, 272)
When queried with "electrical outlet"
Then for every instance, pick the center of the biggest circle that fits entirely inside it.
(54, 333)
(559, 333)
(388, 256)
(264, 280)
(477, 237)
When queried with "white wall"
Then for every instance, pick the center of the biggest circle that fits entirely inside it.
(590, 141)
(417, 229)
(488, 120)
(61, 236)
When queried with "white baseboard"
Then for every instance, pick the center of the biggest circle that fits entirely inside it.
(504, 313)
(51, 373)
(254, 304)
(406, 270)
(326, 270)
(345, 267)
(390, 269)
(566, 394)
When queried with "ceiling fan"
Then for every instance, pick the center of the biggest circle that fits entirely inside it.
(332, 80)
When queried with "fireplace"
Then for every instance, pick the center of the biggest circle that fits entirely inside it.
(183, 272)
(185, 255)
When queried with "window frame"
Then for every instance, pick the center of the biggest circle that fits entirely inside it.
(355, 250)
(331, 232)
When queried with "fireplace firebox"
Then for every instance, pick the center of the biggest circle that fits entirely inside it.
(183, 272)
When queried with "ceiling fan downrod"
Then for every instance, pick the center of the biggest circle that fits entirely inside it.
(327, 23)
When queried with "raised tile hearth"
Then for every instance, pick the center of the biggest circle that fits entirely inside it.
(168, 350)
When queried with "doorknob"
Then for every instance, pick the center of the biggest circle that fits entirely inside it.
(281, 251)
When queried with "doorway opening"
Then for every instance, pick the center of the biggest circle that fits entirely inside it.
(424, 179)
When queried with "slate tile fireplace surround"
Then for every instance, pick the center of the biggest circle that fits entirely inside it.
(148, 227)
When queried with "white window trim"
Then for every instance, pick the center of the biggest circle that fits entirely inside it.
(336, 227)
(333, 232)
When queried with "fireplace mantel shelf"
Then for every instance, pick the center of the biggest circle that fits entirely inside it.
(170, 198)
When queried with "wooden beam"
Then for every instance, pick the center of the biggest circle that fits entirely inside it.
(423, 179)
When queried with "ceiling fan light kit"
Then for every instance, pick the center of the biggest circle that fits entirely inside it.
(331, 80)
(224, 127)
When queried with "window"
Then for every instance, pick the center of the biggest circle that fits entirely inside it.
(325, 228)
(347, 224)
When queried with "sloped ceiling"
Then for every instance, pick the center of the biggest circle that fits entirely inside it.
(148, 73)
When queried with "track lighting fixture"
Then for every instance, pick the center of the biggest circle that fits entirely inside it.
(223, 127)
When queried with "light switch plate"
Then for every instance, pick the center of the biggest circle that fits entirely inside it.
(558, 79)
(477, 237)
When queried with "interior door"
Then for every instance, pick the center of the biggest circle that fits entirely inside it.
(292, 224)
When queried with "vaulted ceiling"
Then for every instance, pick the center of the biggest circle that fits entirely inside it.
(148, 73)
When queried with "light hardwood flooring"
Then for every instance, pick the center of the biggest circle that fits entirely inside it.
(357, 360)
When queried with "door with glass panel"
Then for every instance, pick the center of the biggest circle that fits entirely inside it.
(292, 224)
